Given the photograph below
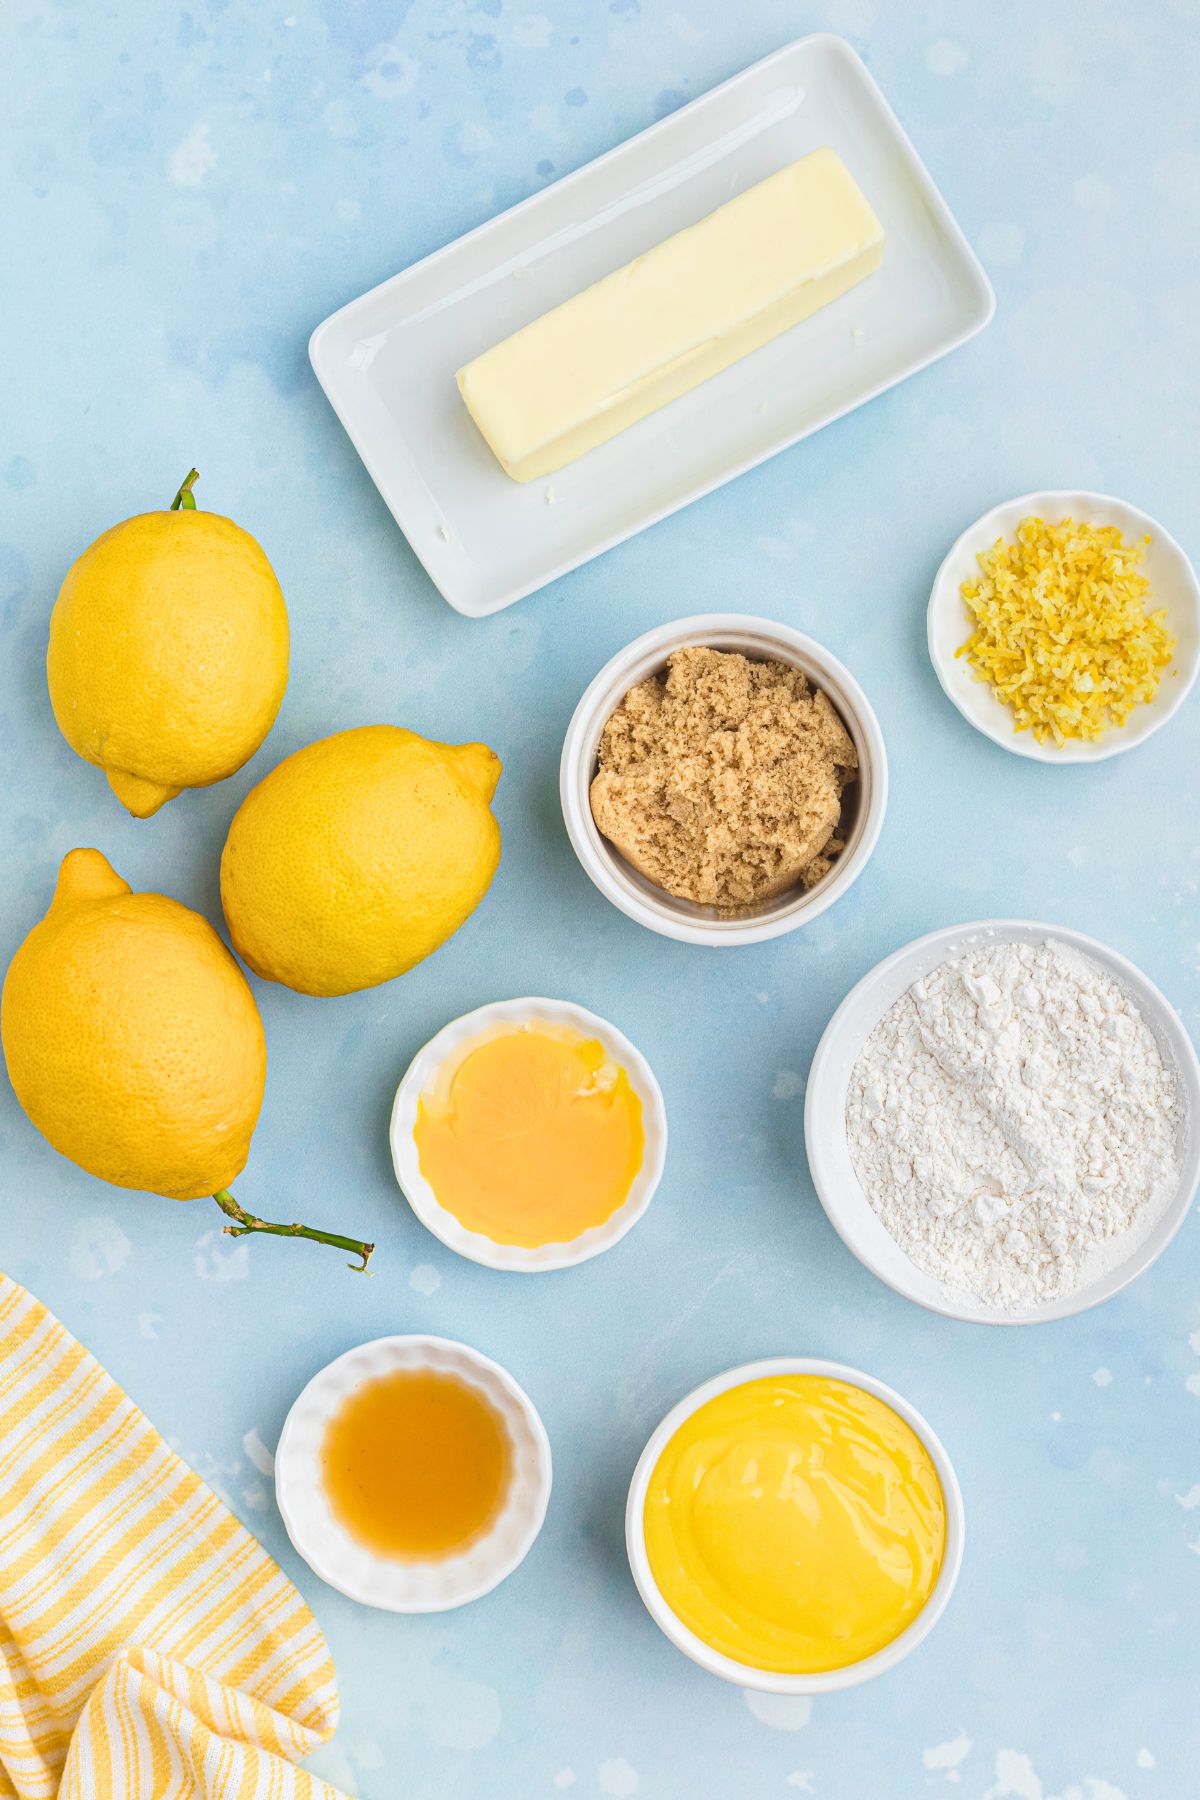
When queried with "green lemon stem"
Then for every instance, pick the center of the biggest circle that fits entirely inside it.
(246, 1222)
(185, 497)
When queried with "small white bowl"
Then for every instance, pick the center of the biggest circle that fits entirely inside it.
(392, 1585)
(838, 1188)
(1173, 585)
(640, 899)
(452, 1040)
(770, 1681)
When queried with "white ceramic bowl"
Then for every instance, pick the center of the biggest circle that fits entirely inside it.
(453, 1039)
(769, 1681)
(1173, 585)
(833, 1173)
(640, 899)
(392, 1585)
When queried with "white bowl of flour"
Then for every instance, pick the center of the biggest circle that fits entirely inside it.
(1003, 1122)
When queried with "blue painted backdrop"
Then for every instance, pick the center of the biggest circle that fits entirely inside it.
(186, 192)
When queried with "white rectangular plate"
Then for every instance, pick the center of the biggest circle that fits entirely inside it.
(388, 360)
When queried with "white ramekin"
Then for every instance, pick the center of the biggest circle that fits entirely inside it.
(422, 1072)
(769, 1681)
(640, 899)
(838, 1188)
(1173, 585)
(392, 1585)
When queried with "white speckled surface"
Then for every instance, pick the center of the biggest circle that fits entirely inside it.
(187, 190)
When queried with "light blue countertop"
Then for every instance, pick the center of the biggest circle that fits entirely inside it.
(187, 190)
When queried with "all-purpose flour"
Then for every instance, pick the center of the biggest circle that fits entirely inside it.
(1012, 1121)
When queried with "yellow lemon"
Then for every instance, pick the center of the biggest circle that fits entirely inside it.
(134, 1044)
(358, 856)
(132, 1038)
(168, 652)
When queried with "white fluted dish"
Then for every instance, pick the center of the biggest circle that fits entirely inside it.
(451, 1041)
(1173, 585)
(385, 1582)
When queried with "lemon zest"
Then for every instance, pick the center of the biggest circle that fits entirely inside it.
(1062, 631)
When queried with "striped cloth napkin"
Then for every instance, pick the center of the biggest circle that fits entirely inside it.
(149, 1647)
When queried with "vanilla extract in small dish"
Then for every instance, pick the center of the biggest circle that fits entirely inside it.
(416, 1465)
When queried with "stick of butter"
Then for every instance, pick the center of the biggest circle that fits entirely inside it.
(668, 320)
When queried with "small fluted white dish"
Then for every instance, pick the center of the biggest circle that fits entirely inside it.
(771, 1681)
(454, 1040)
(836, 1181)
(1173, 585)
(385, 1582)
(640, 899)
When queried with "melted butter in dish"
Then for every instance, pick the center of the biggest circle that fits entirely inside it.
(795, 1524)
(531, 1136)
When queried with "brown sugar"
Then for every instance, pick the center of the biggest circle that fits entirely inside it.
(721, 779)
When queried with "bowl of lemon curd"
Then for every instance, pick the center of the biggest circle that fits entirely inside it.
(794, 1526)
(529, 1135)
(413, 1474)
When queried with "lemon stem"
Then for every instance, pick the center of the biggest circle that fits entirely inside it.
(185, 497)
(245, 1222)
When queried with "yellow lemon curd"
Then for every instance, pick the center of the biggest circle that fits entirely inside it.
(531, 1136)
(795, 1524)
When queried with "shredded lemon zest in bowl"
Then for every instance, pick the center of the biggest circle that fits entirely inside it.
(1062, 632)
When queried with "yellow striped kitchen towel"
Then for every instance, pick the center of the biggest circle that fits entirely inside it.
(151, 1650)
